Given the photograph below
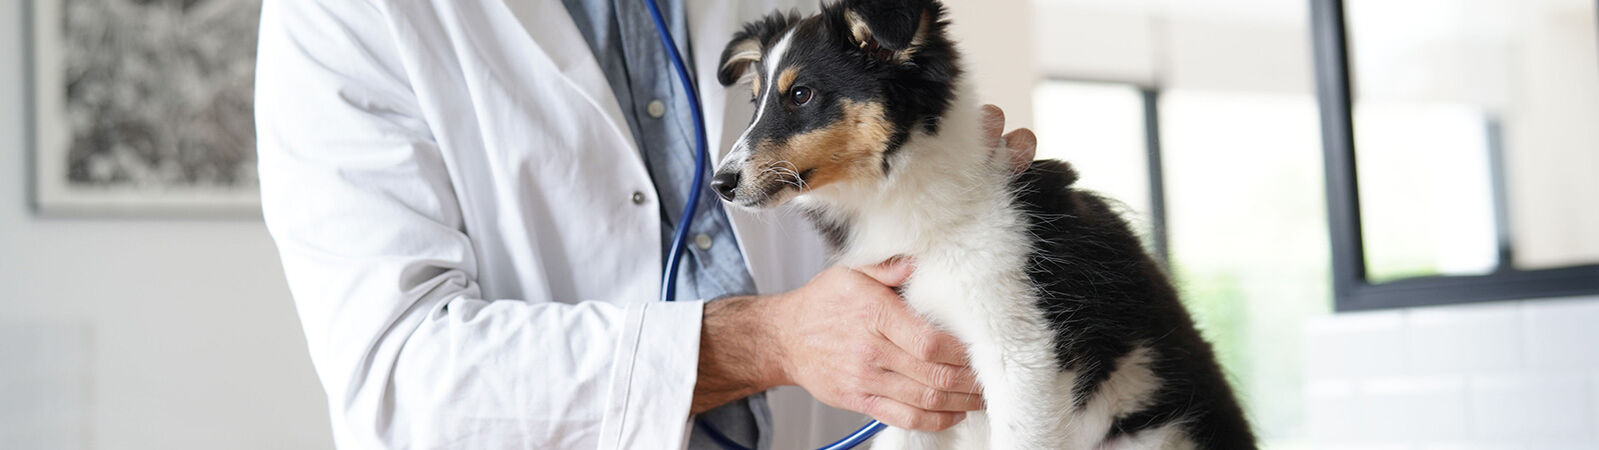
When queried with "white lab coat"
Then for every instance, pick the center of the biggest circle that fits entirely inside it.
(471, 237)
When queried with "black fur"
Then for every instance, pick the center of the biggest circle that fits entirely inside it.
(893, 23)
(1104, 296)
(915, 93)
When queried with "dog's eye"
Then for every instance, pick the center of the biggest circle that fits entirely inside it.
(800, 95)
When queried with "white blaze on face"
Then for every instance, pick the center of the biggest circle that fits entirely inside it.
(773, 60)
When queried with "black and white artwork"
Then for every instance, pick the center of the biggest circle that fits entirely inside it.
(144, 106)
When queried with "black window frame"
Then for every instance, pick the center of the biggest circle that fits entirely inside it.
(1154, 162)
(1352, 291)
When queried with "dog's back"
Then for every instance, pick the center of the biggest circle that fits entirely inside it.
(1111, 305)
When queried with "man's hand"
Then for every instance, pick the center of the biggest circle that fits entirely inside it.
(848, 339)
(1018, 146)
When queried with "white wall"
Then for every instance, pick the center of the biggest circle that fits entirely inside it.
(1177, 45)
(140, 333)
(1497, 375)
(993, 37)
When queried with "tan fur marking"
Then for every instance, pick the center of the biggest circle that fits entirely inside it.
(786, 79)
(849, 149)
(857, 27)
(755, 82)
(746, 51)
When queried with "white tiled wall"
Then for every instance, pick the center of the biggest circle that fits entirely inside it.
(1509, 375)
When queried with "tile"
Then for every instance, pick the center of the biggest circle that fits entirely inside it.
(1527, 408)
(1410, 408)
(1562, 334)
(1593, 411)
(1350, 345)
(1463, 339)
(1504, 445)
(1363, 446)
(1332, 411)
(1465, 445)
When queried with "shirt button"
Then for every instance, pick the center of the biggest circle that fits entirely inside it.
(702, 241)
(638, 198)
(656, 109)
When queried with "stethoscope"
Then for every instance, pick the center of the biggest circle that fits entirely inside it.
(680, 234)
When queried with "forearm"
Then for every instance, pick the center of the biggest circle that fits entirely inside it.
(738, 354)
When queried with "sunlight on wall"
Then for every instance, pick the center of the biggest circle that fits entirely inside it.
(1249, 238)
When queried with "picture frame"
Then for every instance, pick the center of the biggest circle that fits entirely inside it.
(142, 109)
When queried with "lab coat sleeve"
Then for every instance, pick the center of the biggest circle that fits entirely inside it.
(359, 201)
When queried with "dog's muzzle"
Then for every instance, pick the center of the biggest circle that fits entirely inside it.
(725, 184)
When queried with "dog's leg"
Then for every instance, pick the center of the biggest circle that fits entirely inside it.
(892, 439)
(970, 434)
(901, 439)
(1026, 401)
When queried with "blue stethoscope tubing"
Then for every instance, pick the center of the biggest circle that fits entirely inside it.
(690, 206)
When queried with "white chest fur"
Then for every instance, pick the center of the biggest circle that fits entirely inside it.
(947, 205)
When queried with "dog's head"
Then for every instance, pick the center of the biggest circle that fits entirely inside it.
(835, 94)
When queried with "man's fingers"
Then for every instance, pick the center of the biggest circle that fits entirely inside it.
(1022, 140)
(1019, 146)
(900, 415)
(993, 122)
(921, 395)
(917, 338)
(892, 272)
(1022, 145)
(941, 376)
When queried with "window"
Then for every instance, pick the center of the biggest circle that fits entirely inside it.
(1105, 130)
(1235, 180)
(1248, 238)
(1460, 149)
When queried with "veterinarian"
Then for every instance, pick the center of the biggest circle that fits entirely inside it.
(471, 201)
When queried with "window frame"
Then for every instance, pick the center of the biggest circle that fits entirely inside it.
(1154, 164)
(1352, 291)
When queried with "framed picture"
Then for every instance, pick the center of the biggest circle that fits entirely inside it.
(144, 107)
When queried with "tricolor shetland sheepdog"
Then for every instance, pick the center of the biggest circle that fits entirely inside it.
(864, 122)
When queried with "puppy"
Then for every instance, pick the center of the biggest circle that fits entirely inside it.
(864, 122)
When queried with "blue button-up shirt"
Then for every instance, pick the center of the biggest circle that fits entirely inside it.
(624, 41)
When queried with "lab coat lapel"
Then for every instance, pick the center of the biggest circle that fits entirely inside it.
(711, 23)
(553, 31)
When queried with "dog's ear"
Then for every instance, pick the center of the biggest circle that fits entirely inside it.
(890, 30)
(738, 59)
(744, 50)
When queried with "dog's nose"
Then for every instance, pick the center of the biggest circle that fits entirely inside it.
(723, 183)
